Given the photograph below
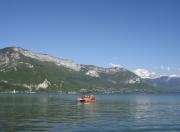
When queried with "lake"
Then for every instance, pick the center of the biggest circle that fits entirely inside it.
(56, 112)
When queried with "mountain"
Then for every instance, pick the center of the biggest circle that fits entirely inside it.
(23, 70)
(169, 83)
(146, 74)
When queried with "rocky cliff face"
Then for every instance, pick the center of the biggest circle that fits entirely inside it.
(14, 53)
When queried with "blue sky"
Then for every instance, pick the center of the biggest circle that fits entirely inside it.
(131, 33)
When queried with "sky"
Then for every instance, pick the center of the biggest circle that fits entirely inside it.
(130, 33)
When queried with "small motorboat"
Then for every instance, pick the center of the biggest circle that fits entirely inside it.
(86, 98)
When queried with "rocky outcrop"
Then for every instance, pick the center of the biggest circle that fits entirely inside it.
(92, 73)
(44, 57)
(44, 85)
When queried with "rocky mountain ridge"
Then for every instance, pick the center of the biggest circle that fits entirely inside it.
(34, 71)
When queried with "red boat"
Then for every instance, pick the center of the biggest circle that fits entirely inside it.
(86, 98)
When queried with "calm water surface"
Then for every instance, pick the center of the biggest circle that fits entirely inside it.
(54, 112)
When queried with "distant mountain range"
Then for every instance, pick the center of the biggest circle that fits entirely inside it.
(170, 83)
(165, 82)
(23, 70)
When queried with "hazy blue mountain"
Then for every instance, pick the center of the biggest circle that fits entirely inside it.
(169, 83)
(165, 82)
(24, 70)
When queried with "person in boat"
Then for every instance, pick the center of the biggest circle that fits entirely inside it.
(92, 97)
(86, 98)
(82, 97)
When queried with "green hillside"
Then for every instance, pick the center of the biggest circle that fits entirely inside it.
(17, 71)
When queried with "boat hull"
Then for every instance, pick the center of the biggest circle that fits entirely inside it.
(86, 100)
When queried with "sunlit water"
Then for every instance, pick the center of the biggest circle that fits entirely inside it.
(54, 112)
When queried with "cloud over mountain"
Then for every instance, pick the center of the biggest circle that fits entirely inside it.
(143, 73)
(114, 65)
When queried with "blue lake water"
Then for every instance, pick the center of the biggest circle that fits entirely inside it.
(55, 112)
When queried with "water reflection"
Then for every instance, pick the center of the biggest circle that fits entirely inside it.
(142, 108)
(86, 106)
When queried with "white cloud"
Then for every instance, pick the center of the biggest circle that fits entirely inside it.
(178, 69)
(114, 65)
(162, 67)
(166, 68)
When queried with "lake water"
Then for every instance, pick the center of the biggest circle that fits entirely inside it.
(55, 112)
